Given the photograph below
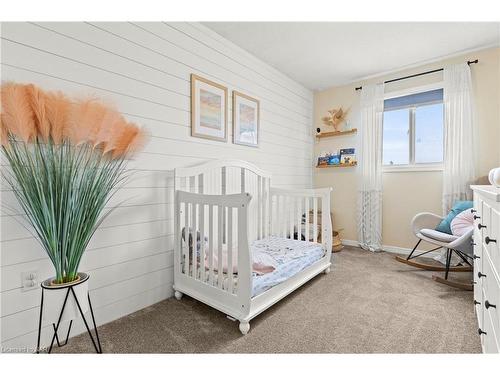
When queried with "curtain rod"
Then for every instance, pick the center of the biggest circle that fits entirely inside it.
(418, 74)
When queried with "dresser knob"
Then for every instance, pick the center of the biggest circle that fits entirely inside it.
(479, 274)
(487, 304)
(473, 243)
(479, 226)
(480, 332)
(473, 211)
(476, 256)
(477, 302)
(477, 217)
(488, 240)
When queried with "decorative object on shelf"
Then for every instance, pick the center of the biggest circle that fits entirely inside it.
(335, 134)
(334, 159)
(347, 126)
(323, 160)
(335, 118)
(208, 109)
(66, 158)
(348, 156)
(494, 177)
(245, 120)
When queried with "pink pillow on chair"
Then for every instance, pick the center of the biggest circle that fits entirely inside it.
(462, 223)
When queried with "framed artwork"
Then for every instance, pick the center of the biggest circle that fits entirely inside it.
(208, 109)
(245, 120)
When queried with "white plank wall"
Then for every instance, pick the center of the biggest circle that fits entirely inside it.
(144, 70)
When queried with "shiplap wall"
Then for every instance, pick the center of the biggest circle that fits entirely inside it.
(143, 69)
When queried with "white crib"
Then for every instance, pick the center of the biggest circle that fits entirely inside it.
(231, 203)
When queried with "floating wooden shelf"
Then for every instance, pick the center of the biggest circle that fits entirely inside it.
(337, 165)
(335, 134)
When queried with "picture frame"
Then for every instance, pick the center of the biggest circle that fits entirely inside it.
(246, 120)
(208, 109)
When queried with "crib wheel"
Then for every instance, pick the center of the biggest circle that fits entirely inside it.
(327, 271)
(178, 295)
(244, 327)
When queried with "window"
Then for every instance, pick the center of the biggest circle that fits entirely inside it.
(413, 129)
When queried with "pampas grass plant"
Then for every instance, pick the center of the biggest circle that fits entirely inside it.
(67, 158)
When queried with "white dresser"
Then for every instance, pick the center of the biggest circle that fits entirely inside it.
(487, 265)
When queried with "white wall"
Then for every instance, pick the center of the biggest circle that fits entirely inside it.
(144, 70)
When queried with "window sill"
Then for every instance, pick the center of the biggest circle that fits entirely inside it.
(412, 168)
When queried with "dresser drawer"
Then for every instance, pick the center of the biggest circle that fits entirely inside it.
(478, 282)
(491, 287)
(491, 237)
(489, 339)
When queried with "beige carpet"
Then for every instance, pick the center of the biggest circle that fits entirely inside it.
(369, 303)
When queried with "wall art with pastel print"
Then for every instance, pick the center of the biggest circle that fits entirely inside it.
(245, 120)
(208, 109)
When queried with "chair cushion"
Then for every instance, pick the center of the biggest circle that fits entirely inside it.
(462, 223)
(438, 236)
(445, 224)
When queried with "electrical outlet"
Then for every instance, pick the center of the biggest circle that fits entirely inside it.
(29, 280)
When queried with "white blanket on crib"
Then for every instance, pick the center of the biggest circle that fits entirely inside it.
(291, 256)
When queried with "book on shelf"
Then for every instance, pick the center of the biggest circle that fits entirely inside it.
(348, 156)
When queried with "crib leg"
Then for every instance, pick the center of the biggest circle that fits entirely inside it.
(327, 271)
(244, 327)
(178, 295)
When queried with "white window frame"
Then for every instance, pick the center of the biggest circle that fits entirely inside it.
(412, 166)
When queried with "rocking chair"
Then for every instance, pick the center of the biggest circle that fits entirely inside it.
(461, 246)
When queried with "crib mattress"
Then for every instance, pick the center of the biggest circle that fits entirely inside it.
(291, 256)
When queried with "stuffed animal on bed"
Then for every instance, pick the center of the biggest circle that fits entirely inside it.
(190, 240)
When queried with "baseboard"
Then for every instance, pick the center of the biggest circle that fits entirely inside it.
(393, 249)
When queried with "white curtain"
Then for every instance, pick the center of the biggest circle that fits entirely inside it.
(458, 135)
(370, 168)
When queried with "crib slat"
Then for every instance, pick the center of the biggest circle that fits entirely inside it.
(200, 183)
(286, 203)
(291, 215)
(279, 217)
(242, 182)
(265, 211)
(307, 219)
(315, 219)
(194, 259)
(186, 238)
(220, 214)
(299, 218)
(201, 223)
(211, 236)
(276, 212)
(192, 184)
(259, 207)
(230, 249)
(283, 217)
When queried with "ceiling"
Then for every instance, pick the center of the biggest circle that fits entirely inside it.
(325, 54)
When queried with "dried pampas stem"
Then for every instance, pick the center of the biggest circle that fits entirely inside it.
(17, 113)
(58, 108)
(36, 98)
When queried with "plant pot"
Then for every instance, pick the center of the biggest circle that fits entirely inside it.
(54, 295)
